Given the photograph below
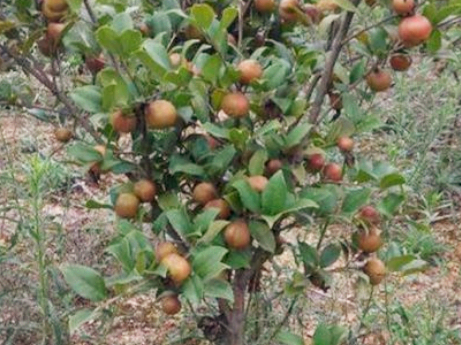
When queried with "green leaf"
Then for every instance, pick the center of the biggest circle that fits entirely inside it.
(227, 18)
(75, 5)
(122, 22)
(237, 259)
(207, 263)
(249, 197)
(168, 201)
(435, 41)
(80, 318)
(390, 204)
(204, 219)
(355, 199)
(109, 39)
(322, 335)
(415, 266)
(398, 262)
(358, 71)
(394, 179)
(309, 255)
(263, 235)
(377, 39)
(216, 131)
(131, 41)
(288, 338)
(180, 221)
(192, 290)
(155, 57)
(329, 255)
(257, 162)
(179, 164)
(210, 70)
(84, 153)
(85, 281)
(274, 195)
(218, 288)
(297, 134)
(214, 229)
(93, 204)
(88, 98)
(203, 15)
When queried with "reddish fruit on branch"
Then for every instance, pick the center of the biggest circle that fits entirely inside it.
(264, 6)
(222, 206)
(164, 249)
(369, 215)
(258, 183)
(345, 144)
(161, 114)
(414, 30)
(288, 10)
(333, 172)
(178, 267)
(95, 63)
(400, 62)
(204, 192)
(171, 304)
(379, 80)
(273, 166)
(375, 270)
(403, 7)
(122, 123)
(235, 105)
(126, 205)
(63, 134)
(145, 190)
(369, 241)
(250, 70)
(237, 235)
(316, 161)
(54, 31)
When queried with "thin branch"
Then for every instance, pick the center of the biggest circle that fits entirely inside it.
(90, 11)
(358, 33)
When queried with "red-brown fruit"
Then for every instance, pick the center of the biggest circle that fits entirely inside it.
(375, 270)
(235, 105)
(250, 70)
(313, 13)
(333, 172)
(145, 190)
(287, 10)
(237, 235)
(316, 162)
(56, 5)
(222, 205)
(45, 46)
(369, 241)
(369, 215)
(122, 123)
(161, 114)
(414, 30)
(63, 134)
(379, 80)
(53, 16)
(264, 6)
(95, 63)
(54, 31)
(204, 192)
(126, 205)
(178, 268)
(273, 166)
(258, 183)
(164, 249)
(403, 7)
(171, 304)
(400, 62)
(345, 144)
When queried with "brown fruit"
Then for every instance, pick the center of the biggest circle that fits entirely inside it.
(403, 7)
(122, 123)
(264, 6)
(369, 241)
(237, 235)
(222, 205)
(345, 144)
(164, 249)
(204, 192)
(53, 16)
(56, 5)
(63, 134)
(369, 215)
(145, 190)
(414, 30)
(235, 105)
(54, 31)
(375, 270)
(400, 62)
(335, 100)
(126, 205)
(288, 10)
(379, 80)
(250, 70)
(258, 183)
(333, 172)
(316, 162)
(95, 63)
(171, 304)
(175, 60)
(273, 166)
(161, 114)
(178, 268)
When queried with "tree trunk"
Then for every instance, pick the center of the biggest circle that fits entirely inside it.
(236, 317)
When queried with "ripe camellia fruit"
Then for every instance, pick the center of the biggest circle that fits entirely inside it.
(63, 134)
(264, 6)
(178, 268)
(145, 190)
(375, 270)
(316, 162)
(369, 241)
(222, 205)
(164, 249)
(273, 166)
(53, 15)
(333, 172)
(171, 304)
(258, 183)
(235, 105)
(287, 10)
(369, 215)
(56, 5)
(250, 70)
(345, 144)
(122, 123)
(400, 62)
(204, 192)
(237, 235)
(403, 7)
(161, 114)
(414, 30)
(379, 80)
(95, 63)
(54, 31)
(126, 205)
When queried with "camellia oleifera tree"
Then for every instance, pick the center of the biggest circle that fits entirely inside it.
(241, 116)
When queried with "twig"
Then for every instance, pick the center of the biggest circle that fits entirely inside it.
(358, 33)
(90, 11)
